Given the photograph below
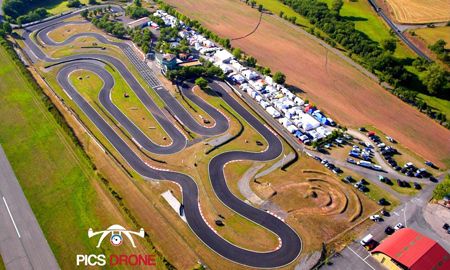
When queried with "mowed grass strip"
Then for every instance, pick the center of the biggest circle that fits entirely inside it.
(51, 171)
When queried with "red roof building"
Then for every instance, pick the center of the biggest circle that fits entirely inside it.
(408, 249)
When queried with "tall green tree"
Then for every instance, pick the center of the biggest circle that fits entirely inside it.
(435, 79)
(201, 82)
(336, 6)
(279, 77)
(389, 44)
(237, 53)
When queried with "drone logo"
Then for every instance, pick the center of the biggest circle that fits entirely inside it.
(116, 232)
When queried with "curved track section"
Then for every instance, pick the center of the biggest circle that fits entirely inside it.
(290, 246)
(221, 125)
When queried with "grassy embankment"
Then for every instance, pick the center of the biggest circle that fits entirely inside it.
(53, 171)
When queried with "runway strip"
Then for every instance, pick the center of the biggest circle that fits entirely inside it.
(290, 245)
(22, 242)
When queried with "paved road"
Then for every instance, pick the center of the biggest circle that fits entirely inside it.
(22, 243)
(397, 31)
(290, 243)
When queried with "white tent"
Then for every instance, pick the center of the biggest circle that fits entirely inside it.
(222, 56)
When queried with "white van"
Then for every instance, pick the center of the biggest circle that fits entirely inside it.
(366, 240)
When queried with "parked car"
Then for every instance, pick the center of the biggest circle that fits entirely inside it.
(446, 226)
(433, 179)
(385, 213)
(363, 188)
(376, 218)
(351, 160)
(399, 183)
(345, 181)
(398, 226)
(389, 230)
(417, 185)
(349, 178)
(429, 163)
(383, 201)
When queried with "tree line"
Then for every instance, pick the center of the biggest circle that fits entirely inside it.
(102, 19)
(25, 11)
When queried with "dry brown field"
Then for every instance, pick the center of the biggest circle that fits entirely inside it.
(335, 86)
(420, 11)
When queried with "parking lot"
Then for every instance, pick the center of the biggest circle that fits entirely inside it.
(353, 257)
(410, 214)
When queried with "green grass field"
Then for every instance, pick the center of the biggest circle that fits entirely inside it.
(90, 86)
(57, 178)
(56, 6)
(367, 21)
(276, 6)
(437, 103)
(51, 171)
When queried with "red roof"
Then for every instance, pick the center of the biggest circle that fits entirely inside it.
(414, 250)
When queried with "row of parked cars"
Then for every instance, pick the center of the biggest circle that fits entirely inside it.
(362, 186)
(330, 166)
(400, 183)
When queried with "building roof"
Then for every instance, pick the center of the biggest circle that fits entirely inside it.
(138, 22)
(414, 250)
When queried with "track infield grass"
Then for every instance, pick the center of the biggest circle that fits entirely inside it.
(90, 85)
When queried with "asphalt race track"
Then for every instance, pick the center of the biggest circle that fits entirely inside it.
(290, 243)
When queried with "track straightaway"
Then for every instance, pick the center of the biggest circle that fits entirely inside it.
(290, 246)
